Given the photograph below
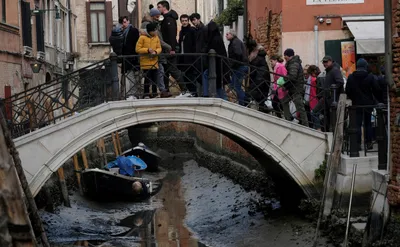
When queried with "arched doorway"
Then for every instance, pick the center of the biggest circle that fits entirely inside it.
(48, 77)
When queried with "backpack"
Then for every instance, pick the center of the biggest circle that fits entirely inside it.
(117, 40)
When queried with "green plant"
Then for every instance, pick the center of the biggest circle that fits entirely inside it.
(230, 14)
(319, 173)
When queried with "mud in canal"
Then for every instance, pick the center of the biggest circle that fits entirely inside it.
(194, 207)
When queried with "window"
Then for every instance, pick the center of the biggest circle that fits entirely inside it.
(26, 24)
(39, 33)
(3, 10)
(99, 20)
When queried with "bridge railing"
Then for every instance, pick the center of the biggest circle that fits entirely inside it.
(366, 131)
(201, 75)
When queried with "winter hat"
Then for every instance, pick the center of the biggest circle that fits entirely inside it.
(154, 12)
(151, 27)
(289, 52)
(362, 64)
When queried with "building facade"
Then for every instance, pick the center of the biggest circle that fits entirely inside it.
(40, 33)
(314, 28)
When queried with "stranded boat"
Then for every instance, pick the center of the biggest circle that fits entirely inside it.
(111, 185)
(151, 158)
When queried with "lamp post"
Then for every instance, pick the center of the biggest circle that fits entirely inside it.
(40, 11)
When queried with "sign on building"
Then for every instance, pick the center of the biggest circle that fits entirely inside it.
(322, 2)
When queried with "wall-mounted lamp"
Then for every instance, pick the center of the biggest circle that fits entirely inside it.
(39, 11)
(36, 66)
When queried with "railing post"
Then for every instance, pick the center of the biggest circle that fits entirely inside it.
(333, 107)
(352, 131)
(212, 74)
(114, 76)
(381, 137)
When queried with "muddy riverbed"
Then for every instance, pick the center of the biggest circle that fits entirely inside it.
(195, 207)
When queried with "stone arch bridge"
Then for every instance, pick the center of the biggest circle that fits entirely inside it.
(296, 150)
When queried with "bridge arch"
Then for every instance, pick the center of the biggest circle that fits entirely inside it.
(78, 131)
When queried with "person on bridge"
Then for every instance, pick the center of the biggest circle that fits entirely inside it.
(169, 31)
(148, 46)
(238, 55)
(363, 89)
(153, 17)
(187, 44)
(278, 93)
(129, 67)
(294, 84)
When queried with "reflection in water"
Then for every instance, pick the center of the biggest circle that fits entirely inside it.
(163, 227)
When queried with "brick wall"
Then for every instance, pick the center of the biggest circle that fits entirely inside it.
(394, 184)
(270, 39)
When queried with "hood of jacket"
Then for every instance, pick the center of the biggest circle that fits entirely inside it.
(295, 59)
(212, 26)
(147, 18)
(360, 74)
(171, 14)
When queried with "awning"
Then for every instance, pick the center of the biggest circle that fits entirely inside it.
(369, 33)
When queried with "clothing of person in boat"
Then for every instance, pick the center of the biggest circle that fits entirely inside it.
(140, 188)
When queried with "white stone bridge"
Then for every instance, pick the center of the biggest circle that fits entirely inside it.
(297, 150)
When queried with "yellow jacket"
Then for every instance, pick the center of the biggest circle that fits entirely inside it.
(142, 48)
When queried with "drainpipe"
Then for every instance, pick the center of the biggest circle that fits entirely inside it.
(316, 42)
(70, 25)
(245, 20)
(388, 68)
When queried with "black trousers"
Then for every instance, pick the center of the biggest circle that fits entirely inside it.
(150, 78)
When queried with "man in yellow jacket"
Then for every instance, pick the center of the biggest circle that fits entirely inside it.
(148, 47)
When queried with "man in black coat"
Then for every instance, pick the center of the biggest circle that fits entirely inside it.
(187, 44)
(363, 89)
(333, 76)
(130, 67)
(169, 30)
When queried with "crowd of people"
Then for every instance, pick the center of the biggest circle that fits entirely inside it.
(283, 86)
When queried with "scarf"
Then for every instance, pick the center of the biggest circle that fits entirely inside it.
(307, 90)
(126, 31)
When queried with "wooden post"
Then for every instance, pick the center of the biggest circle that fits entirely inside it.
(63, 187)
(115, 144)
(16, 207)
(84, 158)
(78, 175)
(102, 150)
(118, 143)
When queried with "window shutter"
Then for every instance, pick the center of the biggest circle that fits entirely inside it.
(39, 32)
(109, 18)
(88, 23)
(26, 24)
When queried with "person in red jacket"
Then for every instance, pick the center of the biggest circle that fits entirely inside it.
(310, 96)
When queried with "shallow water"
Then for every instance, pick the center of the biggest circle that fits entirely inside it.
(195, 208)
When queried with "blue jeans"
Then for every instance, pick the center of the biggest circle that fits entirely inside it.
(220, 91)
(315, 119)
(236, 82)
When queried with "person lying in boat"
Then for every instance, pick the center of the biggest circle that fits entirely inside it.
(140, 188)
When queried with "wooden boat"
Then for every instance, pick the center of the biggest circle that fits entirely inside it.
(151, 158)
(110, 185)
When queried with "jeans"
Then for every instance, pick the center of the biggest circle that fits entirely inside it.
(151, 78)
(160, 80)
(315, 119)
(295, 93)
(220, 91)
(364, 116)
(236, 82)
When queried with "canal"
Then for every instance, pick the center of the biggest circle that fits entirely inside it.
(194, 208)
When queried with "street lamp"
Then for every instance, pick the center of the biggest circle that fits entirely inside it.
(36, 66)
(39, 11)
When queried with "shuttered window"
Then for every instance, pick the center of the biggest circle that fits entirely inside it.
(3, 10)
(99, 21)
(26, 24)
(39, 32)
